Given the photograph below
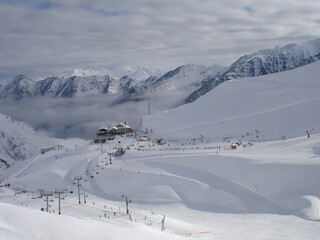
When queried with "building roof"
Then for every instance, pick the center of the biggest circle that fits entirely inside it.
(113, 129)
(121, 125)
(103, 128)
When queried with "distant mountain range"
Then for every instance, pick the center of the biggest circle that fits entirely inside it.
(189, 80)
(139, 73)
(264, 62)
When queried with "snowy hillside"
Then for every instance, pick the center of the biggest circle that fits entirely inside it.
(18, 142)
(206, 192)
(278, 104)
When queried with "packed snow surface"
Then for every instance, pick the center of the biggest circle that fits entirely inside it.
(241, 162)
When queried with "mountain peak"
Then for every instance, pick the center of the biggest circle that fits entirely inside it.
(264, 62)
(139, 73)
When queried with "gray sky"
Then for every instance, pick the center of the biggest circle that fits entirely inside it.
(43, 38)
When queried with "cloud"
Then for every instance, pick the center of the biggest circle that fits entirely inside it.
(54, 37)
(81, 117)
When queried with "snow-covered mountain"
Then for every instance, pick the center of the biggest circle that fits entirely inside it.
(188, 81)
(264, 62)
(182, 80)
(18, 88)
(139, 73)
(23, 87)
(18, 142)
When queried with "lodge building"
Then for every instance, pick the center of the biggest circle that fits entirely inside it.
(104, 134)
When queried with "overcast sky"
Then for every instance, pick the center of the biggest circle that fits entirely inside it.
(43, 38)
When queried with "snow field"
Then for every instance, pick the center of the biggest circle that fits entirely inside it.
(194, 189)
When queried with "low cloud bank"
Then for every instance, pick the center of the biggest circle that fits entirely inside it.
(81, 117)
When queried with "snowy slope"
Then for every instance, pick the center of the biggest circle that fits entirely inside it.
(277, 104)
(18, 142)
(259, 192)
(15, 223)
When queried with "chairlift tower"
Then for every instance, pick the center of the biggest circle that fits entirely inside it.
(127, 202)
(47, 194)
(41, 192)
(149, 108)
(162, 223)
(84, 197)
(59, 192)
(78, 178)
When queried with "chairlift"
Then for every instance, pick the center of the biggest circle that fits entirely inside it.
(51, 200)
(86, 180)
(97, 172)
(24, 191)
(71, 191)
(92, 176)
